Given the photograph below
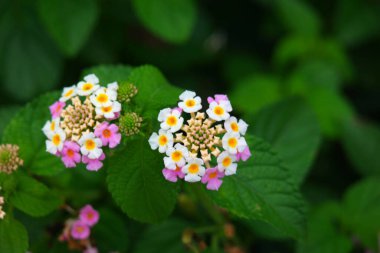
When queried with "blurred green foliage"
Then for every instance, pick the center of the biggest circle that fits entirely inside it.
(304, 74)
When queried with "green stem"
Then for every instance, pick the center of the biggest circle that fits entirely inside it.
(208, 205)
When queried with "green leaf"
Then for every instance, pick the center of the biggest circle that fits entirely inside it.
(293, 131)
(261, 190)
(361, 214)
(167, 237)
(323, 233)
(29, 62)
(155, 93)
(25, 130)
(298, 17)
(111, 231)
(6, 114)
(361, 142)
(303, 50)
(254, 92)
(13, 236)
(110, 73)
(356, 21)
(137, 184)
(171, 20)
(69, 22)
(33, 197)
(332, 109)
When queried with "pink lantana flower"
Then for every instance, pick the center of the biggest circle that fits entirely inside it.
(91, 250)
(80, 230)
(56, 109)
(212, 179)
(245, 155)
(173, 175)
(89, 215)
(217, 99)
(109, 134)
(93, 164)
(70, 154)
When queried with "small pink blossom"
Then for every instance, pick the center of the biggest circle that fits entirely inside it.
(70, 154)
(89, 215)
(56, 109)
(80, 230)
(173, 175)
(178, 109)
(212, 178)
(93, 164)
(245, 155)
(91, 250)
(117, 115)
(109, 134)
(218, 98)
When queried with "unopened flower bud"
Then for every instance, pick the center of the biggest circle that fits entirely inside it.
(130, 124)
(126, 92)
(9, 159)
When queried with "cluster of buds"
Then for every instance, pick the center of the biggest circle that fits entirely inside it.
(127, 92)
(76, 232)
(9, 158)
(130, 124)
(82, 123)
(207, 146)
(2, 213)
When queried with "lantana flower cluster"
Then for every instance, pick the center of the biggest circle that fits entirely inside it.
(82, 123)
(77, 231)
(2, 213)
(200, 146)
(9, 158)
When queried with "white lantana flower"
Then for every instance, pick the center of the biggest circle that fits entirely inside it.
(109, 112)
(194, 170)
(190, 102)
(68, 93)
(55, 141)
(50, 127)
(176, 157)
(113, 86)
(226, 163)
(90, 146)
(103, 97)
(163, 141)
(90, 85)
(233, 143)
(232, 125)
(219, 111)
(170, 119)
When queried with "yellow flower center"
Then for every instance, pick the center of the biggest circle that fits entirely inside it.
(227, 161)
(162, 140)
(70, 153)
(69, 93)
(171, 121)
(177, 156)
(102, 98)
(107, 109)
(87, 86)
(235, 127)
(52, 126)
(190, 103)
(232, 142)
(107, 133)
(213, 175)
(218, 110)
(193, 168)
(79, 229)
(56, 139)
(90, 144)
